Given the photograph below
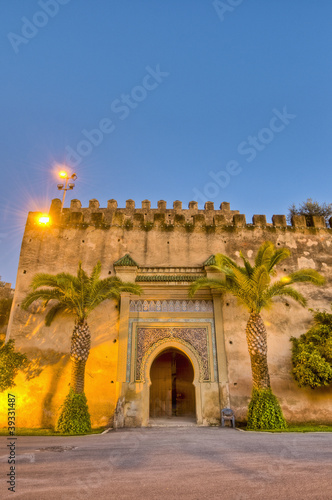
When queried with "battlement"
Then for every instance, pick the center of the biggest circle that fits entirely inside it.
(163, 218)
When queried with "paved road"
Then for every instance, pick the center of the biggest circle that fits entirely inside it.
(172, 463)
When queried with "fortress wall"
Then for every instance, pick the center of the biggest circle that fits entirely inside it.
(172, 238)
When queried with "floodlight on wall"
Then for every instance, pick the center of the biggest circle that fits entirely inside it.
(44, 219)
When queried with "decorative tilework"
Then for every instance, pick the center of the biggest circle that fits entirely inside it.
(171, 306)
(154, 322)
(167, 277)
(196, 338)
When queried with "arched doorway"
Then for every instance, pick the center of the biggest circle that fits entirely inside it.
(172, 393)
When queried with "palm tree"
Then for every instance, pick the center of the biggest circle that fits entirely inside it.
(77, 295)
(252, 286)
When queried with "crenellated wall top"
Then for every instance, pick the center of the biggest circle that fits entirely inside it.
(164, 218)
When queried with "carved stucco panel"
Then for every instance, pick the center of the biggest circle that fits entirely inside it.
(195, 338)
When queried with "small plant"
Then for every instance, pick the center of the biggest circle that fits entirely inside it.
(11, 362)
(312, 353)
(167, 227)
(264, 411)
(128, 224)
(74, 417)
(147, 226)
(189, 227)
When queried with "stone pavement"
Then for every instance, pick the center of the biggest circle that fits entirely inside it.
(172, 463)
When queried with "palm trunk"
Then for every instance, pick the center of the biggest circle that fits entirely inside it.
(257, 347)
(77, 376)
(79, 353)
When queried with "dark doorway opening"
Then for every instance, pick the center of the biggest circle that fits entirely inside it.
(172, 393)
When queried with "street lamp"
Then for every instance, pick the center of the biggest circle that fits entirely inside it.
(67, 185)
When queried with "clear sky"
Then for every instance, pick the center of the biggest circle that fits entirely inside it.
(163, 99)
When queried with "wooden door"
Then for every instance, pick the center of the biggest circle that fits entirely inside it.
(172, 392)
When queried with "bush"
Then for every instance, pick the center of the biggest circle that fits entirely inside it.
(11, 362)
(312, 353)
(74, 417)
(5, 307)
(264, 411)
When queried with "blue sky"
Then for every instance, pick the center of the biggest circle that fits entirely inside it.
(221, 101)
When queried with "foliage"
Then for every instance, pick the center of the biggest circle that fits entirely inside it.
(189, 227)
(252, 284)
(79, 294)
(264, 411)
(74, 417)
(312, 353)
(167, 227)
(128, 224)
(11, 362)
(309, 208)
(5, 307)
(147, 226)
(253, 287)
(303, 427)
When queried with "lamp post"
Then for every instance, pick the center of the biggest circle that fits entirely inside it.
(67, 185)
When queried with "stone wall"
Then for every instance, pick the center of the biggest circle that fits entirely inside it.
(162, 238)
(165, 218)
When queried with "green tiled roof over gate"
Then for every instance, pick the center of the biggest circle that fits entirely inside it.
(211, 261)
(126, 260)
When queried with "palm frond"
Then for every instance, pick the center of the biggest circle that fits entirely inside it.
(247, 265)
(260, 280)
(129, 287)
(252, 284)
(95, 275)
(59, 281)
(77, 294)
(264, 254)
(223, 261)
(221, 285)
(44, 294)
(81, 274)
(283, 290)
(54, 311)
(305, 276)
(278, 256)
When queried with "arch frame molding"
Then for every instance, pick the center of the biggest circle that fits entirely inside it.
(193, 357)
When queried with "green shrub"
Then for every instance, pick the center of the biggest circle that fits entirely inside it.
(264, 411)
(74, 417)
(5, 307)
(312, 353)
(11, 362)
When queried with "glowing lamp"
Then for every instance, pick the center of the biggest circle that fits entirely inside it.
(63, 174)
(44, 219)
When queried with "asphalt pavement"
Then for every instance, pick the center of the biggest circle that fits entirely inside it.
(170, 463)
